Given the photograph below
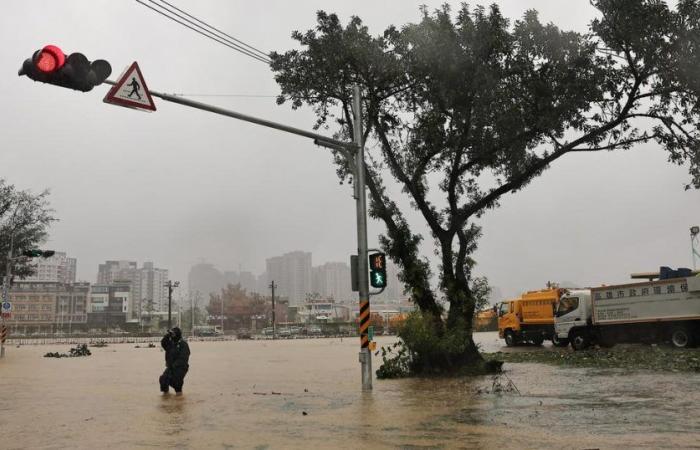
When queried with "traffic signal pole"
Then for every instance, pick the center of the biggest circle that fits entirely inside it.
(333, 143)
(363, 269)
(353, 151)
(6, 289)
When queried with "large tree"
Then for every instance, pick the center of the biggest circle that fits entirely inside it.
(239, 306)
(24, 221)
(466, 107)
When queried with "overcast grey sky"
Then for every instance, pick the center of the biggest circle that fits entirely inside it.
(178, 185)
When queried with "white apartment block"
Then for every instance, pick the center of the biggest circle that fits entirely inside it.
(147, 283)
(57, 269)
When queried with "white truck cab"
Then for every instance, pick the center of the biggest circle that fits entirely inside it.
(574, 310)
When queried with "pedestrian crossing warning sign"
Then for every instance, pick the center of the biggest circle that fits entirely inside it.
(131, 90)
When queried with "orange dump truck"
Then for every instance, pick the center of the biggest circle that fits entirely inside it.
(486, 320)
(530, 318)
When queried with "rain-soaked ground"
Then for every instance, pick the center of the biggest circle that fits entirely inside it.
(253, 394)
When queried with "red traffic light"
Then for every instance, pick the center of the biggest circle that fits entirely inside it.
(49, 59)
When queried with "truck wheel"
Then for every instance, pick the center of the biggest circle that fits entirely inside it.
(579, 341)
(559, 342)
(511, 341)
(681, 338)
(538, 340)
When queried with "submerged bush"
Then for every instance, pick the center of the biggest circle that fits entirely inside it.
(426, 347)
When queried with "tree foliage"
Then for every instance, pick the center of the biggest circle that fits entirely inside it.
(24, 221)
(239, 306)
(199, 315)
(466, 106)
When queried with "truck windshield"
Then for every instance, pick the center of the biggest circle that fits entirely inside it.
(504, 309)
(566, 305)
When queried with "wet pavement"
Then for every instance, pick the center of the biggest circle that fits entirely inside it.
(253, 394)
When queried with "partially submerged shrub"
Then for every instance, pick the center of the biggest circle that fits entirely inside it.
(427, 347)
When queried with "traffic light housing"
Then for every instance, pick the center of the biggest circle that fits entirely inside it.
(36, 253)
(377, 270)
(51, 65)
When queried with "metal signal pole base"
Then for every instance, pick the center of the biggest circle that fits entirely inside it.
(366, 361)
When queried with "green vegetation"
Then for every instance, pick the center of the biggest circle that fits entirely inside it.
(465, 107)
(424, 350)
(637, 357)
(24, 221)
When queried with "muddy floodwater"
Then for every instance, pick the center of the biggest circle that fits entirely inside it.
(306, 394)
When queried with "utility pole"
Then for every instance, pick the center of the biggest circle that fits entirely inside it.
(362, 270)
(8, 274)
(171, 285)
(6, 286)
(222, 315)
(274, 326)
(192, 314)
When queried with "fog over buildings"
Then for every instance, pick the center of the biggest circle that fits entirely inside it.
(296, 279)
(179, 186)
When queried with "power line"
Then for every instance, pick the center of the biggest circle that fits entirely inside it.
(179, 94)
(204, 32)
(210, 35)
(263, 54)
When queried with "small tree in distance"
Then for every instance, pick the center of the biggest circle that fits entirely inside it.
(24, 222)
(473, 107)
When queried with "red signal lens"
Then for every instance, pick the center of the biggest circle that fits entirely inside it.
(50, 59)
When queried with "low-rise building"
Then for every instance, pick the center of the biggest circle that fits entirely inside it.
(323, 311)
(71, 307)
(34, 306)
(110, 306)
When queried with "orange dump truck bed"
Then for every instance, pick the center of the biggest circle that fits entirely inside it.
(537, 307)
(529, 318)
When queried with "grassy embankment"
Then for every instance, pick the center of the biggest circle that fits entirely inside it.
(645, 357)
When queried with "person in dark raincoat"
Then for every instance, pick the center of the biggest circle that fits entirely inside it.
(177, 357)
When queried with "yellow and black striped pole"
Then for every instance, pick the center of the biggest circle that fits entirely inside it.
(364, 324)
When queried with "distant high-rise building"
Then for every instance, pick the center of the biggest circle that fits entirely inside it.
(112, 271)
(205, 279)
(263, 285)
(247, 280)
(58, 269)
(147, 284)
(291, 272)
(150, 284)
(332, 280)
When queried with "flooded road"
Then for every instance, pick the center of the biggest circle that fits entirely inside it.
(253, 394)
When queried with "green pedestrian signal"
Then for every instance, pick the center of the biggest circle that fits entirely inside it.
(377, 266)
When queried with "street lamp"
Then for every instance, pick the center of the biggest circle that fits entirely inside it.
(171, 285)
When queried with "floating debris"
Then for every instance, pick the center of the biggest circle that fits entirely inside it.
(150, 345)
(80, 350)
